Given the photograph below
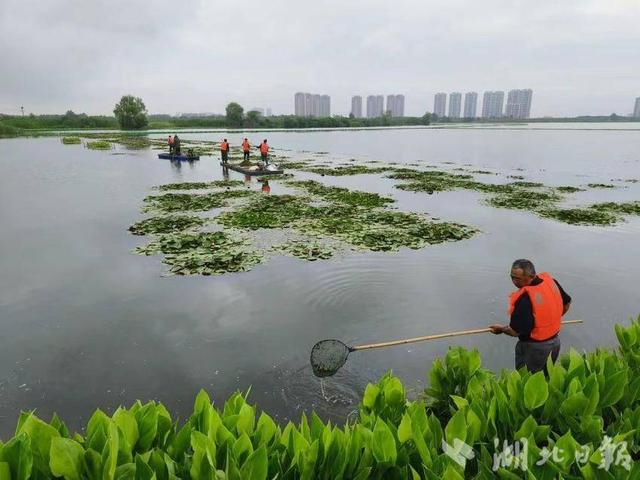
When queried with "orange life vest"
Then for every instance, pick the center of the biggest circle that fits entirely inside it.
(546, 302)
(170, 140)
(264, 148)
(245, 146)
(224, 147)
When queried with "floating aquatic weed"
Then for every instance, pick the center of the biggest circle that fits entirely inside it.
(580, 216)
(342, 195)
(187, 242)
(516, 177)
(200, 185)
(482, 172)
(522, 184)
(166, 224)
(627, 208)
(196, 202)
(569, 189)
(223, 260)
(524, 200)
(307, 250)
(600, 185)
(267, 211)
(346, 170)
(71, 140)
(99, 145)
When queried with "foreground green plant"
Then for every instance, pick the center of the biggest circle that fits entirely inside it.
(580, 422)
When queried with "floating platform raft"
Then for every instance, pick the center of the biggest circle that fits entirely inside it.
(252, 170)
(181, 157)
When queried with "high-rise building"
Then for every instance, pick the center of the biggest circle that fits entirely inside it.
(391, 105)
(470, 103)
(375, 106)
(300, 110)
(399, 112)
(455, 102)
(325, 106)
(315, 105)
(440, 104)
(492, 104)
(268, 112)
(308, 104)
(356, 106)
(518, 103)
(636, 110)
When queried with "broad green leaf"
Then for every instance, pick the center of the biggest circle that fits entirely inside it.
(394, 392)
(456, 428)
(126, 421)
(575, 404)
(5, 471)
(404, 430)
(17, 453)
(536, 391)
(143, 471)
(126, 471)
(147, 420)
(613, 389)
(246, 420)
(41, 435)
(256, 466)
(266, 428)
(383, 444)
(65, 458)
(370, 396)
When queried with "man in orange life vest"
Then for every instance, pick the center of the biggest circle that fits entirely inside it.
(264, 151)
(170, 143)
(224, 150)
(536, 310)
(246, 146)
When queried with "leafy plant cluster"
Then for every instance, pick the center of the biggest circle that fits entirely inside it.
(200, 185)
(307, 250)
(585, 399)
(99, 145)
(194, 202)
(341, 171)
(223, 259)
(71, 140)
(342, 195)
(166, 224)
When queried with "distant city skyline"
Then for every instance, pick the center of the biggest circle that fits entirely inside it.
(492, 103)
(518, 104)
(356, 106)
(375, 106)
(395, 105)
(636, 109)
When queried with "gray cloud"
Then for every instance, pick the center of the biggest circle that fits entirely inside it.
(579, 56)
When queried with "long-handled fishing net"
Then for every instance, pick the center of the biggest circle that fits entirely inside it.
(328, 356)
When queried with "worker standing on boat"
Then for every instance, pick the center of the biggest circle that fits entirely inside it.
(536, 310)
(170, 143)
(224, 151)
(264, 152)
(246, 147)
(176, 145)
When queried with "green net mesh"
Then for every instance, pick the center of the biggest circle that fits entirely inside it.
(327, 357)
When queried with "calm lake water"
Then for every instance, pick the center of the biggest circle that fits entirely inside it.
(85, 323)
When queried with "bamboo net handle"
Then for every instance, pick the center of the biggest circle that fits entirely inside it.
(435, 337)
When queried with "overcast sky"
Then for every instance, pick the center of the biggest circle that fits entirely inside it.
(578, 56)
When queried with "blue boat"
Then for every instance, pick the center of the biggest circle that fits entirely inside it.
(182, 157)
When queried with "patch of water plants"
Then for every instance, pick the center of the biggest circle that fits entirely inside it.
(200, 185)
(600, 185)
(71, 140)
(307, 250)
(342, 195)
(166, 224)
(99, 145)
(183, 202)
(222, 259)
(582, 421)
(346, 170)
(580, 216)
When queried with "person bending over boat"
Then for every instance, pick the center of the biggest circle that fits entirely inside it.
(176, 145)
(224, 151)
(536, 310)
(264, 152)
(170, 143)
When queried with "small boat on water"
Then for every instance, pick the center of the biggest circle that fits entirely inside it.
(253, 169)
(181, 157)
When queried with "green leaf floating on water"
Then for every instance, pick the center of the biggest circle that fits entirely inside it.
(536, 391)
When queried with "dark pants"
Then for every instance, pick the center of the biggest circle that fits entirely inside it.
(533, 355)
(225, 156)
(246, 155)
(170, 148)
(265, 159)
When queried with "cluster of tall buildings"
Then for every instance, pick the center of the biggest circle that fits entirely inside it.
(636, 109)
(518, 104)
(375, 106)
(312, 105)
